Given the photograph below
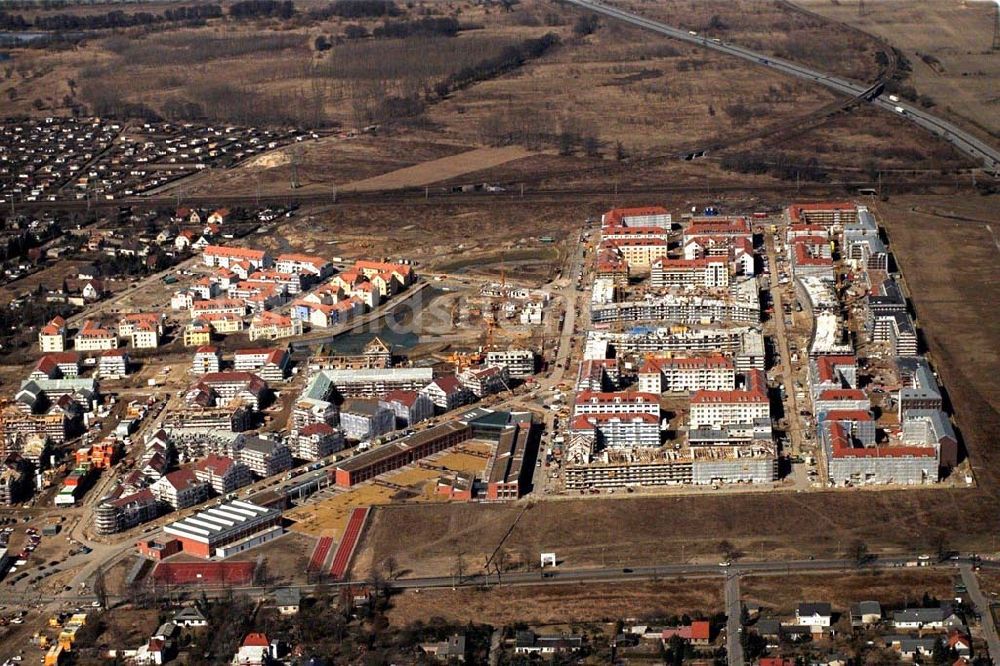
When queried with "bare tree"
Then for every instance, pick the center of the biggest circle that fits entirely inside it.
(391, 567)
(100, 587)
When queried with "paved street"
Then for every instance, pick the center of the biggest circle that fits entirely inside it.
(734, 613)
(983, 606)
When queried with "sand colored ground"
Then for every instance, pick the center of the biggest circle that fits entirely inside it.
(329, 517)
(561, 603)
(440, 169)
(948, 45)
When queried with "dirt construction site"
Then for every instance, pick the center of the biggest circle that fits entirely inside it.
(326, 514)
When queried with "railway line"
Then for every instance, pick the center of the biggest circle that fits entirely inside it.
(446, 196)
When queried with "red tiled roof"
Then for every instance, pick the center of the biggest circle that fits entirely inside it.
(401, 396)
(848, 415)
(842, 394)
(588, 421)
(841, 447)
(617, 397)
(317, 429)
(255, 640)
(216, 464)
(615, 216)
(234, 252)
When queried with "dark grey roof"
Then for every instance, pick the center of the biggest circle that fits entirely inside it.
(814, 608)
(866, 608)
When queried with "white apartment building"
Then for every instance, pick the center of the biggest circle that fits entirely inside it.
(52, 336)
(92, 337)
(180, 489)
(708, 373)
(271, 365)
(619, 430)
(624, 402)
(708, 272)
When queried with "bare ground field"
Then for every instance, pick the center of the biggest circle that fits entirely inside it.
(563, 604)
(774, 28)
(324, 164)
(433, 236)
(948, 45)
(434, 171)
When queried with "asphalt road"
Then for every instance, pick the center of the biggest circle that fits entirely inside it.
(734, 615)
(965, 142)
(983, 606)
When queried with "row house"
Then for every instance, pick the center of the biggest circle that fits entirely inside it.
(710, 373)
(717, 226)
(706, 272)
(715, 409)
(628, 233)
(326, 315)
(624, 402)
(830, 214)
(403, 273)
(317, 268)
(218, 306)
(257, 296)
(270, 364)
(615, 430)
(287, 283)
(222, 323)
(94, 337)
(273, 326)
(226, 257)
(736, 251)
(637, 216)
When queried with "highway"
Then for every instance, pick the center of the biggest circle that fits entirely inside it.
(965, 142)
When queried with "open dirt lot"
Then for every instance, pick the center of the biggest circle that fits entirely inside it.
(434, 171)
(561, 603)
(328, 517)
(890, 588)
(948, 45)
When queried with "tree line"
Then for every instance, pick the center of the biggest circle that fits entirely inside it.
(112, 19)
(246, 9)
(355, 9)
(426, 27)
